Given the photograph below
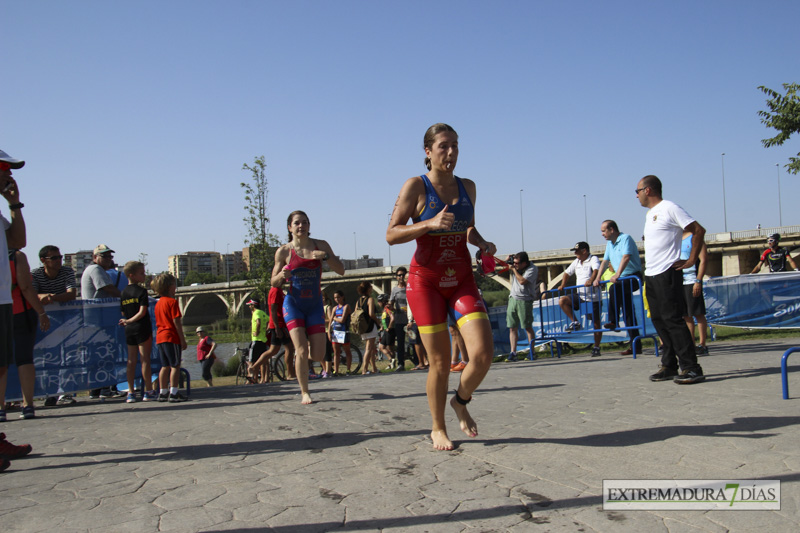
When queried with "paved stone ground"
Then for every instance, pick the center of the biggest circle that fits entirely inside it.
(253, 459)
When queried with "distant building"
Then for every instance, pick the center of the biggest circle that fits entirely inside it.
(364, 261)
(214, 263)
(78, 262)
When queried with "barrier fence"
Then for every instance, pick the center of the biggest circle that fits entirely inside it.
(85, 347)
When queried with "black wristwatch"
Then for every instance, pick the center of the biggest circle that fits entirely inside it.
(19, 205)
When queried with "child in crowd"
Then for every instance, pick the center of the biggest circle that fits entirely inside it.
(169, 338)
(205, 354)
(138, 329)
(387, 334)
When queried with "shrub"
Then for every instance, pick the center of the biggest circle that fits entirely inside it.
(218, 369)
(231, 366)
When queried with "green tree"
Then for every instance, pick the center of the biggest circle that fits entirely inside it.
(784, 116)
(262, 243)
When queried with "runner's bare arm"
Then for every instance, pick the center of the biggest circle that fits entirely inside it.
(332, 260)
(281, 260)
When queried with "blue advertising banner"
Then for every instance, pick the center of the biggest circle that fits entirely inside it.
(83, 349)
(754, 300)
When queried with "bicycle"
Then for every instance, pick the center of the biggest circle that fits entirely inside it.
(243, 370)
(278, 363)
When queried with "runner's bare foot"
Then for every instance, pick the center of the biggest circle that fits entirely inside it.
(468, 425)
(441, 440)
(306, 399)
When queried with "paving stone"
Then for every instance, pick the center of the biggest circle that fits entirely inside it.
(360, 458)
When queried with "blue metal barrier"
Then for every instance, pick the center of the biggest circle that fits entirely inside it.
(785, 371)
(554, 323)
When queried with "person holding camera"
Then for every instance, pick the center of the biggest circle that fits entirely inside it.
(524, 289)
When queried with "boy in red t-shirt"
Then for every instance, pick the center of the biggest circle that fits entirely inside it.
(169, 337)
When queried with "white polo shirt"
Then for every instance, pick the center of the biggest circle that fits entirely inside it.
(663, 231)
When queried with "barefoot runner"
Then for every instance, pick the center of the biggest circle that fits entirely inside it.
(299, 262)
(440, 282)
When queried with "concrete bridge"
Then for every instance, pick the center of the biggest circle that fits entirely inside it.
(730, 254)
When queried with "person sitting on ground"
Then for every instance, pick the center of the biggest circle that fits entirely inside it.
(205, 354)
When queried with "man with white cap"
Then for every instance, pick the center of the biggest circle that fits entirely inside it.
(95, 282)
(13, 237)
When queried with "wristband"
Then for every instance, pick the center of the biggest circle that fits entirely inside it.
(325, 257)
(698, 281)
(18, 205)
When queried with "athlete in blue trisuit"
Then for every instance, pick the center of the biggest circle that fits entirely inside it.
(440, 280)
(299, 262)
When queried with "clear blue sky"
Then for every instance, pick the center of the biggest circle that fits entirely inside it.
(135, 118)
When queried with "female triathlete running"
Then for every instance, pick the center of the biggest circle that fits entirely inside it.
(440, 281)
(299, 262)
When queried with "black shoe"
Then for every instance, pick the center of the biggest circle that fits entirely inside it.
(701, 350)
(596, 351)
(664, 374)
(163, 397)
(610, 326)
(50, 401)
(400, 368)
(690, 376)
(176, 398)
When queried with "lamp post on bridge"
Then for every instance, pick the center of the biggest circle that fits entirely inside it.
(521, 226)
(585, 218)
(724, 203)
(780, 209)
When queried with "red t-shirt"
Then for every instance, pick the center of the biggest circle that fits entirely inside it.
(203, 347)
(276, 297)
(167, 311)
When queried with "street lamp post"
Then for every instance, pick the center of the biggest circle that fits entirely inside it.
(780, 209)
(724, 204)
(355, 248)
(585, 218)
(521, 226)
(227, 270)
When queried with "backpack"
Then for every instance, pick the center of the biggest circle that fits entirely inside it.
(360, 320)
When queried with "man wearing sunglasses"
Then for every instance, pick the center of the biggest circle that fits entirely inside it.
(665, 224)
(53, 281)
(95, 282)
(13, 237)
(775, 256)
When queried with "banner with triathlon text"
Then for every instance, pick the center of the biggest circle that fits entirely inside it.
(754, 300)
(83, 349)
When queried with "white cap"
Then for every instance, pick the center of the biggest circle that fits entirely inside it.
(15, 163)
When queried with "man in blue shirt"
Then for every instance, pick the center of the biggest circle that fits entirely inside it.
(623, 255)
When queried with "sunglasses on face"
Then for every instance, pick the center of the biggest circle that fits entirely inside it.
(54, 257)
